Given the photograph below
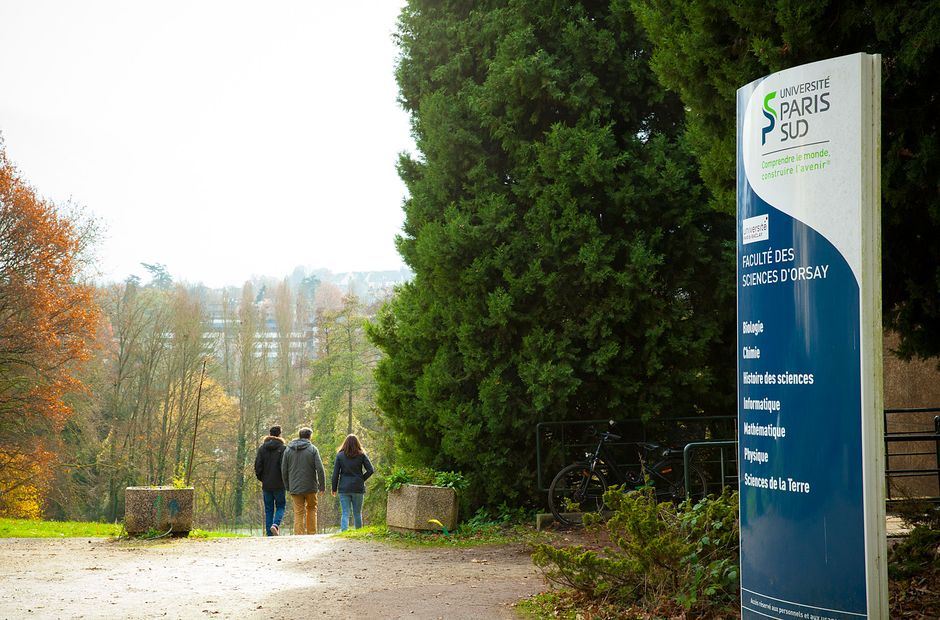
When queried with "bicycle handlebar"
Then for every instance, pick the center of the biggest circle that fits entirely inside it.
(648, 446)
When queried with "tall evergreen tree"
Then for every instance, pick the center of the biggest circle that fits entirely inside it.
(705, 50)
(566, 266)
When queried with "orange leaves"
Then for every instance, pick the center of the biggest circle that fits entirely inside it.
(47, 321)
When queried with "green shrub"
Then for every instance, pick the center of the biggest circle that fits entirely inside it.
(397, 479)
(486, 522)
(658, 554)
(918, 553)
(916, 512)
(502, 515)
(401, 476)
(450, 479)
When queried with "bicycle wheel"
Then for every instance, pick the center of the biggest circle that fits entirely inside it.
(698, 484)
(574, 491)
(669, 483)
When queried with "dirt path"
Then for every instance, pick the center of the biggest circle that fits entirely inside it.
(318, 576)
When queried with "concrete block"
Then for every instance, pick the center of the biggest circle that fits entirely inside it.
(410, 507)
(159, 508)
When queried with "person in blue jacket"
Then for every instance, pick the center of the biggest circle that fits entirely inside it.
(351, 469)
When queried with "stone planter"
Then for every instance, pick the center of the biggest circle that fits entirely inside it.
(412, 506)
(162, 509)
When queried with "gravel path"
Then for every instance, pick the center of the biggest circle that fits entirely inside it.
(309, 576)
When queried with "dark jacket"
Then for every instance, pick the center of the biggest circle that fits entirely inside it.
(302, 469)
(268, 463)
(351, 473)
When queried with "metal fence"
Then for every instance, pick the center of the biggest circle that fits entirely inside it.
(719, 460)
(912, 448)
(560, 443)
(912, 453)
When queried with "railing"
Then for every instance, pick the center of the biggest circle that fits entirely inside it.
(909, 451)
(560, 443)
(726, 462)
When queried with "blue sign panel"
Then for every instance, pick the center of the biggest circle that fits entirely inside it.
(806, 536)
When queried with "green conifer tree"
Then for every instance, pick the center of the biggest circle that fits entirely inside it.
(566, 263)
(705, 50)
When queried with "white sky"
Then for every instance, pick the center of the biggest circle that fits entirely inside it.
(223, 139)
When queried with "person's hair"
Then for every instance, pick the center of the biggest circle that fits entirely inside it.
(305, 433)
(275, 431)
(351, 446)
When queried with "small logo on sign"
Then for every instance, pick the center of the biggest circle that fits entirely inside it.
(756, 229)
(771, 115)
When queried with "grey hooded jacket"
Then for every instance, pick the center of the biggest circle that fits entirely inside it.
(302, 469)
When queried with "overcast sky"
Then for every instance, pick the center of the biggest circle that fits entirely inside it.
(223, 139)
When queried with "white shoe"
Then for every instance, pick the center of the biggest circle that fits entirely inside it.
(275, 530)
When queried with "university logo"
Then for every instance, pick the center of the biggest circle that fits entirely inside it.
(771, 115)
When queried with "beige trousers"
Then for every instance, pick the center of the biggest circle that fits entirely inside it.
(305, 513)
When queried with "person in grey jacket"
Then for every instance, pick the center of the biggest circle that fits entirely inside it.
(302, 472)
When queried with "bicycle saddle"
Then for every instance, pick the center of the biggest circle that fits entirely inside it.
(655, 447)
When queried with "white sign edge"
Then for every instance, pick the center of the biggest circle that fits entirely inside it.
(872, 343)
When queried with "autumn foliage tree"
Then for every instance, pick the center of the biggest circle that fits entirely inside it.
(47, 321)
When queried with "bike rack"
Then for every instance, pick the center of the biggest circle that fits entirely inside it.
(565, 446)
(723, 461)
(633, 430)
(917, 439)
(923, 445)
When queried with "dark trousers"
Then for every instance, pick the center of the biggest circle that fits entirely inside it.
(274, 504)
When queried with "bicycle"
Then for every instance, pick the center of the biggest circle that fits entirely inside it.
(580, 487)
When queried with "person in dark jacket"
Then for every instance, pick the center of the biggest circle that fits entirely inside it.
(302, 471)
(268, 471)
(351, 469)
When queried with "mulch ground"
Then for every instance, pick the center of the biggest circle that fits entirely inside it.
(917, 598)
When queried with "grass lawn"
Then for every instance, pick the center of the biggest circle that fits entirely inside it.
(197, 533)
(546, 605)
(463, 536)
(27, 528)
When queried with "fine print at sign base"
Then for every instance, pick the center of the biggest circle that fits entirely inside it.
(809, 343)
